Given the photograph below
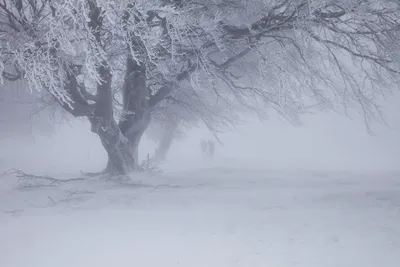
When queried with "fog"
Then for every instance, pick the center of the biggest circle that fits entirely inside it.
(259, 202)
(324, 142)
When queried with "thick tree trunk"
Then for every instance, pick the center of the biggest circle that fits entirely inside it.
(134, 139)
(120, 150)
(136, 116)
(120, 158)
(121, 140)
(123, 155)
(164, 145)
(166, 141)
(163, 148)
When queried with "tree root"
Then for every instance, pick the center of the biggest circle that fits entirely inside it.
(94, 174)
(107, 172)
(149, 165)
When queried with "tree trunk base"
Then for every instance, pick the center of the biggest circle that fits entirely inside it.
(104, 172)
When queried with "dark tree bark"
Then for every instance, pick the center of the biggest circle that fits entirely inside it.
(119, 150)
(121, 141)
(136, 113)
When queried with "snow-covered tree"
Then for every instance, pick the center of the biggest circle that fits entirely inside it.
(292, 56)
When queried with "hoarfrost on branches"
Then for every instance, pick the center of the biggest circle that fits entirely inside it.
(129, 60)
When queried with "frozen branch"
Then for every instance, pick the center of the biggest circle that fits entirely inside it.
(30, 180)
(160, 95)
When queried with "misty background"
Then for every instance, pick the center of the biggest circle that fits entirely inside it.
(325, 141)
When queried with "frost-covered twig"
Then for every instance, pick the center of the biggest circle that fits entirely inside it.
(30, 180)
(150, 165)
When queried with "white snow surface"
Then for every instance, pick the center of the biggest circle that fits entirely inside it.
(212, 216)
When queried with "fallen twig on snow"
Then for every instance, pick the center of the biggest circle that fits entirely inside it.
(51, 200)
(31, 180)
(14, 212)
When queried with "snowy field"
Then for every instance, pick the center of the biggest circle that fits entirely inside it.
(216, 216)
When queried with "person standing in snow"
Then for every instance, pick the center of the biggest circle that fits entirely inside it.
(204, 150)
(211, 148)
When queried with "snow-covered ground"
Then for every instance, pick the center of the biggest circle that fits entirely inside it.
(216, 216)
